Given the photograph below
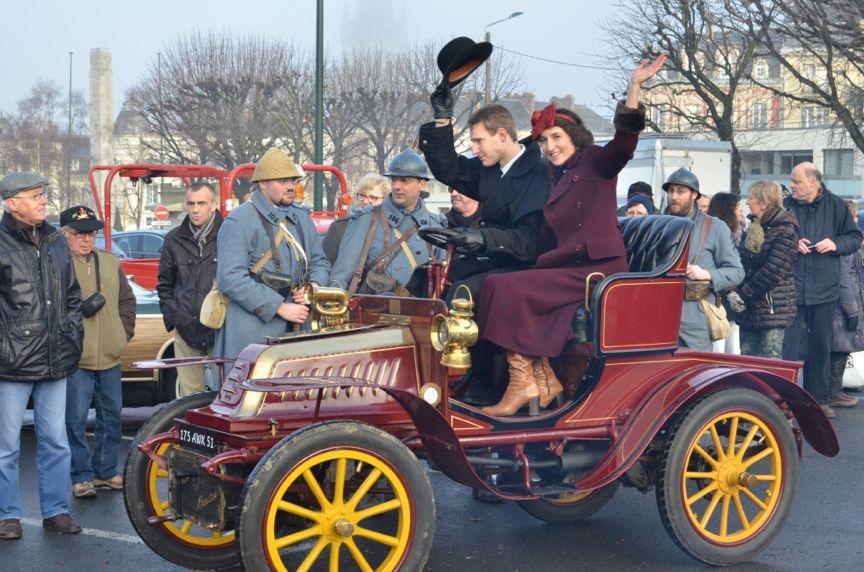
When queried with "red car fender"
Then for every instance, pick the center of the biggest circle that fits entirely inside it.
(657, 409)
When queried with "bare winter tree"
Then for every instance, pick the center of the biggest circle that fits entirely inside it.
(34, 138)
(819, 45)
(213, 99)
(709, 58)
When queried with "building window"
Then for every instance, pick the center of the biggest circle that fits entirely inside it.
(839, 163)
(757, 163)
(788, 160)
(760, 69)
(814, 116)
(759, 116)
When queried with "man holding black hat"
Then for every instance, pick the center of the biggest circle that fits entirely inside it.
(713, 264)
(108, 308)
(510, 179)
(40, 344)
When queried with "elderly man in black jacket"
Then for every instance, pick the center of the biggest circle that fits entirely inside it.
(187, 269)
(40, 344)
(826, 231)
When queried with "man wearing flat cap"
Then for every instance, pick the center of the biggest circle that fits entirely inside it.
(108, 308)
(40, 344)
(269, 233)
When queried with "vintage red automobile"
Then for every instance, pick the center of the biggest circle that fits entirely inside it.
(308, 455)
(146, 270)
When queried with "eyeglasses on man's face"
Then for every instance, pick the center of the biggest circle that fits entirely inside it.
(35, 197)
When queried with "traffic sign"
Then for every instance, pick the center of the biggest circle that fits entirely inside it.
(160, 212)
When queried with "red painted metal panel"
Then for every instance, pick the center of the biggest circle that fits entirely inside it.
(640, 314)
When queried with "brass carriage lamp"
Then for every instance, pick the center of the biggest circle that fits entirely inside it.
(454, 333)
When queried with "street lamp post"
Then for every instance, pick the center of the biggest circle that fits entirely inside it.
(69, 138)
(487, 99)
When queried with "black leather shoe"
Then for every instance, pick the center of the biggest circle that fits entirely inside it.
(63, 523)
(10, 529)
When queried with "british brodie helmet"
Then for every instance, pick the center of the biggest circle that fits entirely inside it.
(408, 164)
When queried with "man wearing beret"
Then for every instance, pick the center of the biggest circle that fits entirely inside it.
(108, 309)
(40, 344)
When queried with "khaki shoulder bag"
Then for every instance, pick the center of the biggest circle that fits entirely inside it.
(700, 290)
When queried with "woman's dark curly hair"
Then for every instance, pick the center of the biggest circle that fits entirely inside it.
(723, 206)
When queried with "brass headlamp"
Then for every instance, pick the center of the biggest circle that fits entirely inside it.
(455, 333)
(329, 306)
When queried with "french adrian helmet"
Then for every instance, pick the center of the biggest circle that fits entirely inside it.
(408, 164)
(275, 164)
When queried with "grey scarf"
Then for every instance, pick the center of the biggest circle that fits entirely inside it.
(199, 234)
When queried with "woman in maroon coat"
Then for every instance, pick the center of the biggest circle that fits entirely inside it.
(530, 313)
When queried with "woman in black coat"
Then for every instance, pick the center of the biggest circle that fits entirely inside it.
(768, 250)
(847, 326)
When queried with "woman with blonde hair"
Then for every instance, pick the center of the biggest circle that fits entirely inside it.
(372, 189)
(768, 250)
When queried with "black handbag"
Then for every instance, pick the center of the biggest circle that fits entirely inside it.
(95, 301)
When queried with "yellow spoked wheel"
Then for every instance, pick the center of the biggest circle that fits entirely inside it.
(732, 477)
(337, 496)
(146, 493)
(727, 476)
(185, 531)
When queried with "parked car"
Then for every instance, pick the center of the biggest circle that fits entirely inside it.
(151, 341)
(115, 250)
(308, 455)
(139, 243)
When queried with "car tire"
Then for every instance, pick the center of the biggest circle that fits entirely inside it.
(194, 549)
(565, 508)
(338, 462)
(722, 502)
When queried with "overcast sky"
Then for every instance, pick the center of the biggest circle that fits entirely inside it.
(37, 35)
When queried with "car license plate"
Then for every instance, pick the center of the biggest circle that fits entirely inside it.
(197, 438)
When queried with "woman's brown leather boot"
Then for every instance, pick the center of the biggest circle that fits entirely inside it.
(522, 388)
(547, 382)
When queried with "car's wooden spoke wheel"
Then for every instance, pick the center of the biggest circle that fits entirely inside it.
(342, 507)
(184, 530)
(337, 496)
(727, 476)
(731, 499)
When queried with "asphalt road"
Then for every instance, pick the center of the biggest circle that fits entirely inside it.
(824, 530)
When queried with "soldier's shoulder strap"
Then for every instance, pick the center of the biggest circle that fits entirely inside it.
(357, 275)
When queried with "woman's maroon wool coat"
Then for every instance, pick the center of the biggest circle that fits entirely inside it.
(531, 311)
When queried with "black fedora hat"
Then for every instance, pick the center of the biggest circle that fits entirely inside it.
(461, 56)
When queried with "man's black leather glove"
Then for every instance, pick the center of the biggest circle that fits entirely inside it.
(471, 241)
(852, 323)
(442, 102)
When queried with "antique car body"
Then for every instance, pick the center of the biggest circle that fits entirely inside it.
(314, 433)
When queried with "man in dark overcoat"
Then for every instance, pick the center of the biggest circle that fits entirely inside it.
(510, 180)
(826, 231)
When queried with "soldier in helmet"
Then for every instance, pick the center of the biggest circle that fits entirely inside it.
(713, 264)
(269, 233)
(381, 247)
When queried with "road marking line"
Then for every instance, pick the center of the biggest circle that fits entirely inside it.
(106, 534)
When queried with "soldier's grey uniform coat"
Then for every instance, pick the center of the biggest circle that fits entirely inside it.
(719, 256)
(242, 241)
(399, 268)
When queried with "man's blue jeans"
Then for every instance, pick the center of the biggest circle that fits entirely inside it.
(104, 389)
(52, 448)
